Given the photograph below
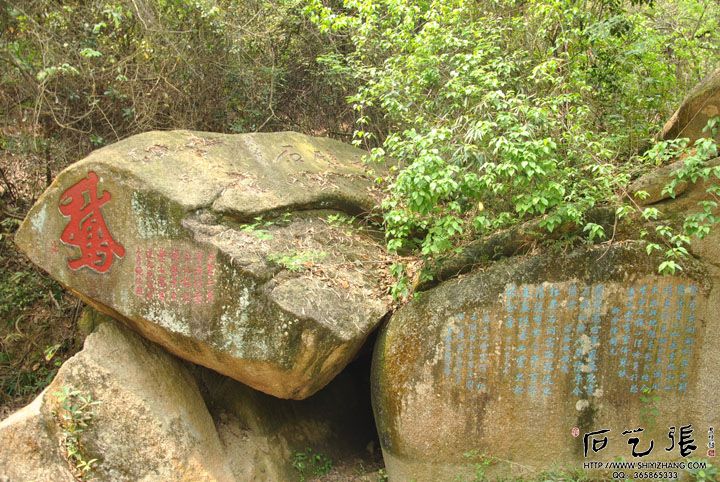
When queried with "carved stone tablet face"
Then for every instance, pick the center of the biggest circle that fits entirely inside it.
(519, 363)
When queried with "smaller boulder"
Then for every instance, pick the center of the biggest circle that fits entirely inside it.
(122, 409)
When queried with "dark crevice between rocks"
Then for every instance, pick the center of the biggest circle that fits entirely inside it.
(336, 422)
(515, 241)
(329, 203)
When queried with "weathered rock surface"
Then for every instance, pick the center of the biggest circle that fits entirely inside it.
(150, 423)
(162, 231)
(701, 104)
(504, 363)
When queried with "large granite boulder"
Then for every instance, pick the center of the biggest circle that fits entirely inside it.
(149, 421)
(701, 104)
(235, 252)
(515, 365)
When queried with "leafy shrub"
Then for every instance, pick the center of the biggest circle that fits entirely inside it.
(695, 225)
(493, 113)
(505, 111)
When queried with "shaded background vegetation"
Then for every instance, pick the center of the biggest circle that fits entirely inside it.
(496, 112)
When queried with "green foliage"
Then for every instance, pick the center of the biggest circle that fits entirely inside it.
(594, 231)
(480, 463)
(401, 288)
(491, 113)
(75, 416)
(569, 475)
(709, 474)
(22, 384)
(648, 407)
(500, 112)
(19, 289)
(297, 260)
(311, 464)
(35, 317)
(339, 220)
(342, 222)
(382, 476)
(258, 230)
(695, 167)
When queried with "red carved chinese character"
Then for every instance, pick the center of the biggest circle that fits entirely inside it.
(87, 229)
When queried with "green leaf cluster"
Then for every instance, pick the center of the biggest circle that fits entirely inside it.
(75, 416)
(696, 167)
(297, 260)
